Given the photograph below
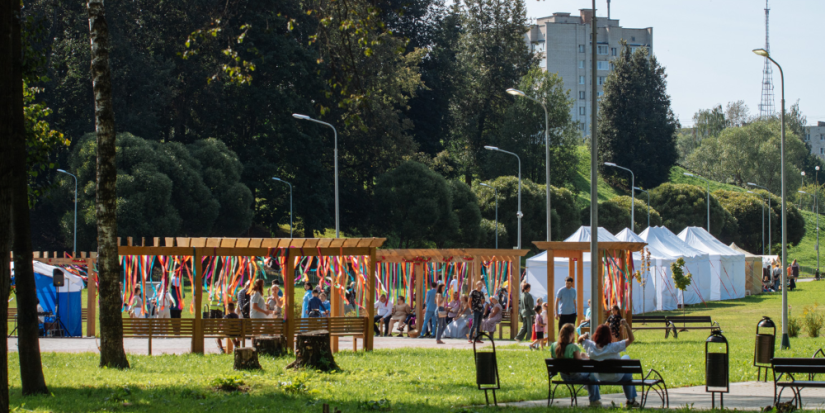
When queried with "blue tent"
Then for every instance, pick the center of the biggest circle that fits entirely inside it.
(66, 298)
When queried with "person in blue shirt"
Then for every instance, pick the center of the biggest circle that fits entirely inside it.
(565, 304)
(315, 307)
(586, 322)
(307, 297)
(325, 305)
(428, 328)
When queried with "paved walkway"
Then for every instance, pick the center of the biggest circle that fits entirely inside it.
(749, 395)
(183, 345)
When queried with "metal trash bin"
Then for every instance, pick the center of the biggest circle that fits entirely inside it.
(487, 369)
(764, 346)
(717, 371)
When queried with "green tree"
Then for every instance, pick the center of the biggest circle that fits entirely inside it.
(492, 57)
(468, 215)
(637, 128)
(795, 221)
(683, 206)
(749, 154)
(709, 123)
(487, 234)
(614, 214)
(747, 209)
(523, 128)
(414, 204)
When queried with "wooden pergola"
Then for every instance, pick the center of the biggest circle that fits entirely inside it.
(256, 247)
(574, 252)
(476, 257)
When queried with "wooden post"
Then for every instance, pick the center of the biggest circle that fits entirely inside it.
(418, 270)
(370, 333)
(580, 287)
(335, 310)
(289, 300)
(91, 297)
(515, 288)
(551, 294)
(197, 333)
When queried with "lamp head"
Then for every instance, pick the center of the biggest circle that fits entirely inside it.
(276, 179)
(750, 192)
(610, 164)
(516, 92)
(803, 173)
(60, 170)
(752, 184)
(688, 174)
(762, 52)
(802, 192)
(637, 188)
(483, 184)
(300, 116)
(491, 148)
(817, 167)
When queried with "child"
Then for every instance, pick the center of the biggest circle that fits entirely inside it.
(546, 321)
(538, 325)
(315, 306)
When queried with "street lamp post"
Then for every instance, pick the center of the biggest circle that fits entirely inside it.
(708, 190)
(290, 203)
(305, 117)
(495, 190)
(786, 343)
(74, 243)
(518, 214)
(516, 92)
(803, 185)
(816, 200)
(770, 239)
(648, 204)
(632, 196)
(763, 220)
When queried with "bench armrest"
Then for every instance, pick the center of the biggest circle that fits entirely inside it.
(651, 372)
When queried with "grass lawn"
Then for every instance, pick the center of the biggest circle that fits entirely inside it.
(406, 380)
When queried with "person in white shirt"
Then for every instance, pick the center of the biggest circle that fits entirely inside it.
(257, 304)
(136, 310)
(601, 348)
(382, 315)
(164, 304)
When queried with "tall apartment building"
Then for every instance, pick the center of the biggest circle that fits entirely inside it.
(815, 136)
(563, 42)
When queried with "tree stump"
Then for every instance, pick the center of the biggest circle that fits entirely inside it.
(313, 351)
(274, 346)
(246, 358)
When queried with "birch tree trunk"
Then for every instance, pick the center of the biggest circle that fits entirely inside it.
(28, 340)
(8, 108)
(111, 323)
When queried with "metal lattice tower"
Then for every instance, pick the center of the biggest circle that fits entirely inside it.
(766, 105)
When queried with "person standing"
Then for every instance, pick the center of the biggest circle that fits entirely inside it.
(441, 308)
(566, 303)
(307, 297)
(428, 327)
(776, 275)
(794, 275)
(243, 300)
(525, 310)
(257, 303)
(477, 305)
(177, 297)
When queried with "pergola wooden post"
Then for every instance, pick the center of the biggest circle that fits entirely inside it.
(419, 295)
(91, 296)
(289, 311)
(369, 335)
(576, 250)
(197, 336)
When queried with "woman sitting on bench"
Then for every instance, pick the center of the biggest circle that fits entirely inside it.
(601, 348)
(566, 348)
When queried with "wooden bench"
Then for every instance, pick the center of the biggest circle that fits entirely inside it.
(506, 321)
(652, 380)
(670, 323)
(355, 327)
(241, 329)
(158, 327)
(787, 367)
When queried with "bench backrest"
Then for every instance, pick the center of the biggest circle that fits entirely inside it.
(335, 325)
(170, 327)
(568, 366)
(798, 365)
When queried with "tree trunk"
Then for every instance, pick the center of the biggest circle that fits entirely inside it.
(313, 351)
(31, 370)
(111, 323)
(274, 346)
(9, 108)
(246, 358)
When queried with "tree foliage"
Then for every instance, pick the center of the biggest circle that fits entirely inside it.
(748, 210)
(614, 214)
(637, 128)
(164, 189)
(683, 206)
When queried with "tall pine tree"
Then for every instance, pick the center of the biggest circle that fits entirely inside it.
(637, 128)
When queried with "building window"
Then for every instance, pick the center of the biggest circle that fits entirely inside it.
(822, 137)
(603, 65)
(581, 110)
(581, 48)
(613, 51)
(601, 50)
(822, 151)
(601, 80)
(581, 64)
(807, 136)
(581, 95)
(601, 93)
(632, 38)
(612, 66)
(581, 80)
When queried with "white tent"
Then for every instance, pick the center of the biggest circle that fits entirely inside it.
(727, 267)
(696, 262)
(537, 266)
(644, 298)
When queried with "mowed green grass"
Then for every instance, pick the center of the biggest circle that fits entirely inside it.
(408, 380)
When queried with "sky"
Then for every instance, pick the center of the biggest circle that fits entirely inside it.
(705, 47)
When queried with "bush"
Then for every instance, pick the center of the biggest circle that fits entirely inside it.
(812, 319)
(468, 214)
(487, 234)
(685, 206)
(794, 326)
(614, 214)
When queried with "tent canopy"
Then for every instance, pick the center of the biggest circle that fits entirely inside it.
(64, 301)
(697, 263)
(727, 266)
